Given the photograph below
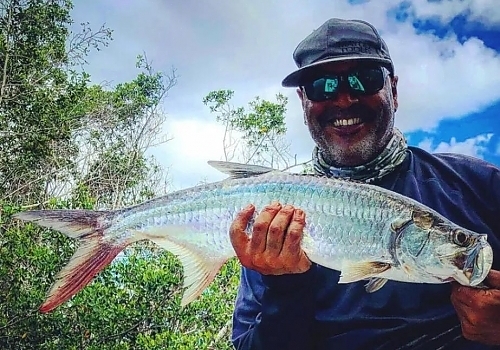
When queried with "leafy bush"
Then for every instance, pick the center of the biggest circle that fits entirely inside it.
(132, 304)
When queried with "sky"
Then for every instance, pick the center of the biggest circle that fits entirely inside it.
(446, 54)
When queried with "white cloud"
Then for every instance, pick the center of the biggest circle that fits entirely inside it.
(247, 47)
(485, 11)
(475, 146)
(194, 143)
(426, 144)
(442, 78)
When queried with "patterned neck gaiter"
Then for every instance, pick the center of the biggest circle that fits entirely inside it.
(392, 156)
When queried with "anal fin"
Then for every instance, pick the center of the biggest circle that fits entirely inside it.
(199, 268)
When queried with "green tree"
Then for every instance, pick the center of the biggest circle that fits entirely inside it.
(42, 95)
(132, 304)
(68, 144)
(115, 168)
(255, 135)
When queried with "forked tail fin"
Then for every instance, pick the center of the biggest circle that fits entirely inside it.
(94, 252)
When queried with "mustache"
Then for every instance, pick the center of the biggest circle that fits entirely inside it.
(357, 110)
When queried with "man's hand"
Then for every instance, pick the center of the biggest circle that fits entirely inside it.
(479, 310)
(274, 245)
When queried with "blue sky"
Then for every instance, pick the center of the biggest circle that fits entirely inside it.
(446, 53)
(471, 126)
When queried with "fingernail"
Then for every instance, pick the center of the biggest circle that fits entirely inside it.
(288, 207)
(299, 213)
(274, 205)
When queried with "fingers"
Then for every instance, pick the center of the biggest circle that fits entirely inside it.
(472, 304)
(293, 238)
(462, 299)
(261, 227)
(274, 245)
(461, 295)
(277, 231)
(477, 310)
(238, 235)
(493, 279)
(472, 297)
(293, 256)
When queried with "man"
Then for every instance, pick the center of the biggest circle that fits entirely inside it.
(348, 88)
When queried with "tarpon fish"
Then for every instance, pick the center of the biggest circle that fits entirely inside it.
(363, 231)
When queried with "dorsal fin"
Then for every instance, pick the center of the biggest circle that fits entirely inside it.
(239, 170)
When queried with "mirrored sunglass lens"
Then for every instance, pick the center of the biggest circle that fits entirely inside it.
(323, 88)
(355, 83)
(367, 81)
(330, 85)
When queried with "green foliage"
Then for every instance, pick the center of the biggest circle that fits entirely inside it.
(218, 102)
(41, 97)
(265, 120)
(58, 131)
(65, 143)
(126, 122)
(132, 304)
(260, 130)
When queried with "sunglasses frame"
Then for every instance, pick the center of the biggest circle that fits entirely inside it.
(343, 77)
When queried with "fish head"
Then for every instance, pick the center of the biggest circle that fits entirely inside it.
(435, 250)
(469, 253)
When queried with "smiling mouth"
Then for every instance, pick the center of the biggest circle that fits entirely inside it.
(346, 122)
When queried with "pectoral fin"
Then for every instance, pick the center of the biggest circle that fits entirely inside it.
(375, 284)
(356, 271)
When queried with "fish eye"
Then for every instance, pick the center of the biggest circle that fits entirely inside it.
(460, 237)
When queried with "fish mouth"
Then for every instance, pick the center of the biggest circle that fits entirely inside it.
(477, 264)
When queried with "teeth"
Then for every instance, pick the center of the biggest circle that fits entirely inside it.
(346, 122)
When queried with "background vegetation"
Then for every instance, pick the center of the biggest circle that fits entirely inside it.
(68, 143)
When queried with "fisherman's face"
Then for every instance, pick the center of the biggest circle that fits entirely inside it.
(370, 118)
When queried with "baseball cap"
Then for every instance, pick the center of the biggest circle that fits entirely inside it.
(338, 40)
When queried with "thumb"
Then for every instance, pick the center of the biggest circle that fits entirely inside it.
(493, 279)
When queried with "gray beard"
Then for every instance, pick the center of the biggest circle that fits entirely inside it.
(390, 157)
(364, 150)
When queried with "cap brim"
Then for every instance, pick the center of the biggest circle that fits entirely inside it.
(294, 78)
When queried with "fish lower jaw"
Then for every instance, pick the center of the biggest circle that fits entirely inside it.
(347, 122)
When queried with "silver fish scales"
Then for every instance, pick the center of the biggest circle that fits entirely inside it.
(366, 232)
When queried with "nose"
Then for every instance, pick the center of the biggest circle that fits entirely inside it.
(344, 99)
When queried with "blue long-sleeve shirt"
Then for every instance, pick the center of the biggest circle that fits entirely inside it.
(312, 311)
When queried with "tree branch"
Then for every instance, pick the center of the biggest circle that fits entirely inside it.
(6, 60)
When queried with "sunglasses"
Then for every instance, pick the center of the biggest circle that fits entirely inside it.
(359, 82)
